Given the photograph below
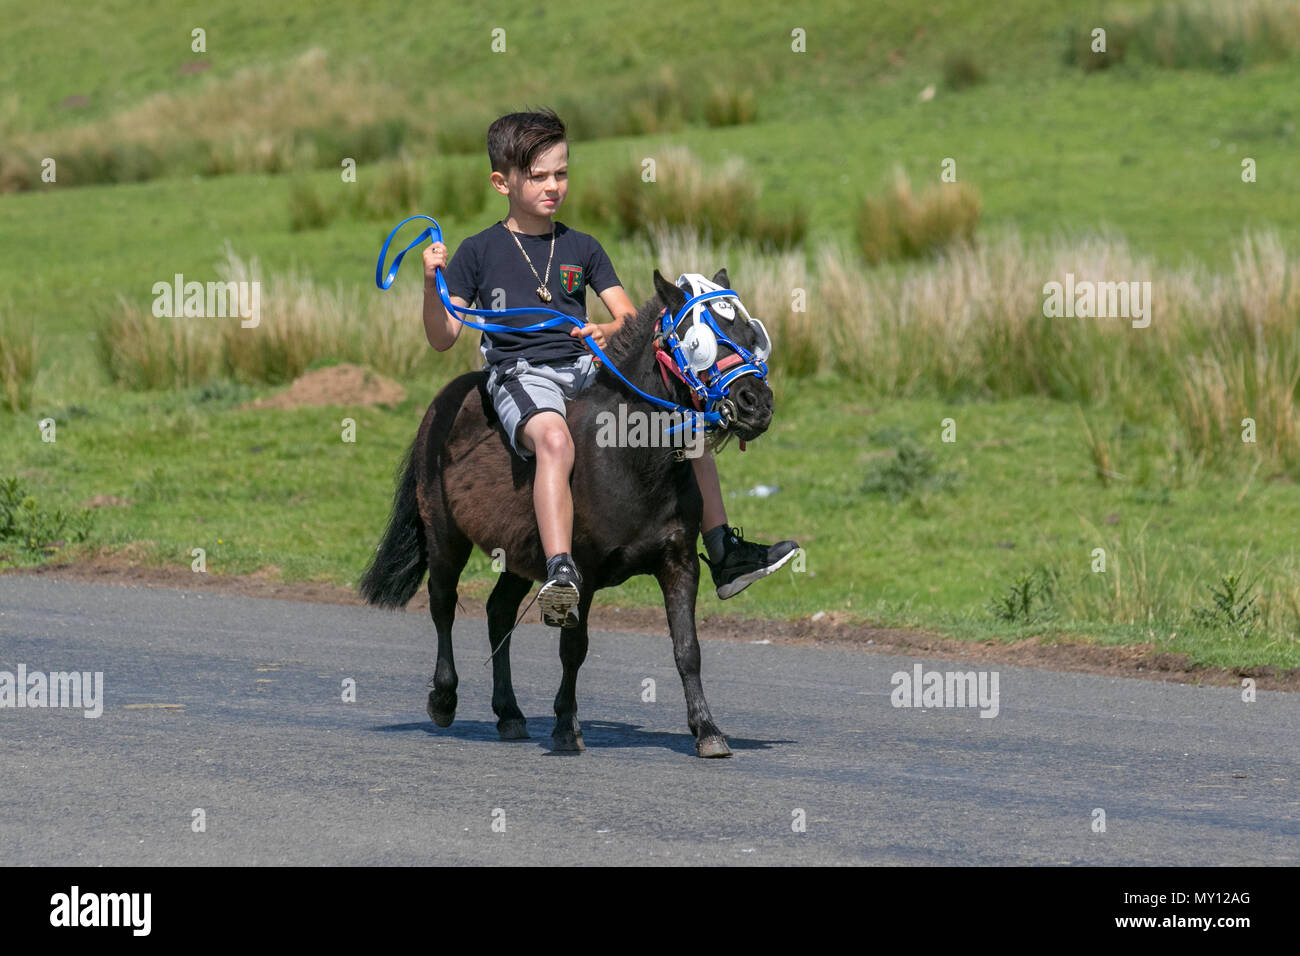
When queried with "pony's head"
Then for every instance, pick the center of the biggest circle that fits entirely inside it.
(717, 349)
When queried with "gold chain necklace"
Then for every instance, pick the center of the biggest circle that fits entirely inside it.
(543, 293)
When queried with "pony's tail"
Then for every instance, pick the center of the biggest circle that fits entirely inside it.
(398, 567)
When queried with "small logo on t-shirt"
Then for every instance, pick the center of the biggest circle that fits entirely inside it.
(571, 276)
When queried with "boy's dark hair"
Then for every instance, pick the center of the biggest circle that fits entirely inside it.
(514, 140)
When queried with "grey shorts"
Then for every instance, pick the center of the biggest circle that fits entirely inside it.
(520, 390)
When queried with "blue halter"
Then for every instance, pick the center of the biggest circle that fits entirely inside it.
(709, 394)
(714, 392)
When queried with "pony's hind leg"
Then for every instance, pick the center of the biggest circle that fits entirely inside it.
(446, 561)
(502, 608)
(567, 734)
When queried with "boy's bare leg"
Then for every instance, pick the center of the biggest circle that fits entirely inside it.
(706, 476)
(546, 435)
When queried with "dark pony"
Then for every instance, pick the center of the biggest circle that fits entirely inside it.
(635, 511)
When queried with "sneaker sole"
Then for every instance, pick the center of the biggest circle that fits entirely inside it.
(745, 580)
(559, 604)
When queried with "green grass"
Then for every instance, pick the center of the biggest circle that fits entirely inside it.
(261, 488)
(1064, 155)
(1151, 154)
(117, 53)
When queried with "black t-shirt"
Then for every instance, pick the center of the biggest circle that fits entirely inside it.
(489, 272)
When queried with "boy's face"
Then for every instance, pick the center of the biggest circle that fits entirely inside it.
(541, 191)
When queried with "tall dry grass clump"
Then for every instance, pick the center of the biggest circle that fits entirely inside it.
(720, 202)
(19, 361)
(971, 323)
(393, 190)
(303, 114)
(301, 322)
(1139, 586)
(145, 351)
(1146, 583)
(903, 225)
(1242, 360)
(663, 102)
(309, 322)
(1222, 36)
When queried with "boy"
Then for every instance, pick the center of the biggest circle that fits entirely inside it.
(535, 261)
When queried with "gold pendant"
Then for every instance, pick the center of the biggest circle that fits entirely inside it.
(543, 293)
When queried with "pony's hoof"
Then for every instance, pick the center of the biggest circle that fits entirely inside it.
(712, 747)
(514, 729)
(439, 714)
(568, 743)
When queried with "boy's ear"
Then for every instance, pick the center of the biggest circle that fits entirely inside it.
(669, 294)
(721, 278)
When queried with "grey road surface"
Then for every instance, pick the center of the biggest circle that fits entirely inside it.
(234, 707)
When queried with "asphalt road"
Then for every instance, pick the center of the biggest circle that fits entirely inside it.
(286, 772)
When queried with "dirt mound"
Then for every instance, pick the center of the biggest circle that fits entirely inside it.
(336, 385)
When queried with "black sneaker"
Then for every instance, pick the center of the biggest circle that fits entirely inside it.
(744, 562)
(558, 598)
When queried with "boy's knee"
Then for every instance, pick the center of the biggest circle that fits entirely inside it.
(557, 442)
(549, 434)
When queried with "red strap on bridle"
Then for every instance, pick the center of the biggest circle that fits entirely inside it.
(667, 364)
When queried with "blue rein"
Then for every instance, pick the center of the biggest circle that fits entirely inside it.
(713, 392)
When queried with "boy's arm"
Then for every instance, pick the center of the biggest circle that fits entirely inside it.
(441, 328)
(619, 305)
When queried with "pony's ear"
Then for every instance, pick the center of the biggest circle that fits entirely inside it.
(669, 294)
(721, 278)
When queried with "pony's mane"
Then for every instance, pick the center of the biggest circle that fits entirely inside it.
(635, 334)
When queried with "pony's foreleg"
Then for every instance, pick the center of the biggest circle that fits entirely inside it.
(679, 578)
(502, 608)
(567, 734)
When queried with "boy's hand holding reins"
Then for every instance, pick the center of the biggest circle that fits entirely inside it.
(600, 333)
(435, 257)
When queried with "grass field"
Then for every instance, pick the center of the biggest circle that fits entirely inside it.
(1149, 155)
(259, 489)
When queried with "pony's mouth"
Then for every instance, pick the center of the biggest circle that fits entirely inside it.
(748, 410)
(748, 431)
